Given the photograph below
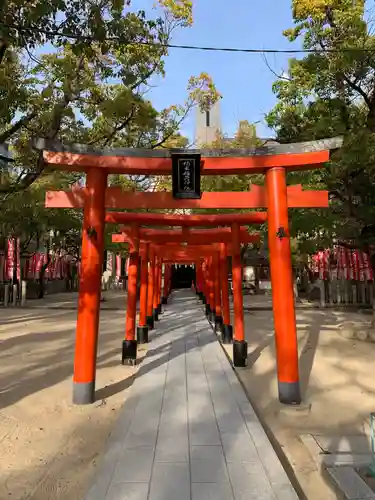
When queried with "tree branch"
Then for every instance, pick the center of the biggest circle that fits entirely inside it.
(30, 177)
(175, 129)
(120, 127)
(145, 77)
(358, 89)
(279, 77)
(17, 126)
(3, 49)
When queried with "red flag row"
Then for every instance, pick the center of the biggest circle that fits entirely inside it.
(342, 263)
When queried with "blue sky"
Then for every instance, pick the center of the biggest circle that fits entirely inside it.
(243, 79)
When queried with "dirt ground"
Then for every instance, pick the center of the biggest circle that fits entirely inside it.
(336, 378)
(48, 447)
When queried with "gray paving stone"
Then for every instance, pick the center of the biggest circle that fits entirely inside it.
(134, 440)
(128, 491)
(142, 424)
(239, 447)
(134, 466)
(278, 477)
(170, 481)
(249, 481)
(204, 433)
(230, 421)
(206, 453)
(209, 472)
(172, 448)
(350, 483)
(207, 491)
(344, 459)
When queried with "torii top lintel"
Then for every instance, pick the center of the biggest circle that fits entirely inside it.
(166, 237)
(160, 219)
(80, 158)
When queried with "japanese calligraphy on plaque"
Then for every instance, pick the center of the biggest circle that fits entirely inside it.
(186, 175)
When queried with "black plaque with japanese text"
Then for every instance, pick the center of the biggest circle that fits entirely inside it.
(186, 176)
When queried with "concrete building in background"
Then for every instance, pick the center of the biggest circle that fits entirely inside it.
(207, 125)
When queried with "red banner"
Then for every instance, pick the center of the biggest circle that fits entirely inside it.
(346, 264)
(118, 266)
(18, 259)
(10, 259)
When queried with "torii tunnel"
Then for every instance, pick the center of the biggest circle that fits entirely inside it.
(211, 282)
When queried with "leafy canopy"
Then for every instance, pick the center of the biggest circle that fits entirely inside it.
(88, 85)
(331, 92)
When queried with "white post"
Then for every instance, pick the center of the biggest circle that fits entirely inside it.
(6, 295)
(14, 297)
(23, 293)
(322, 294)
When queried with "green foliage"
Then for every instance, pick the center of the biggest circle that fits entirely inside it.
(90, 89)
(245, 137)
(331, 92)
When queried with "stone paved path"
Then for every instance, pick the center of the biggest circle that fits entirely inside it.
(187, 430)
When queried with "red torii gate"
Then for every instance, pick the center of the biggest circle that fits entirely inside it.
(170, 249)
(273, 161)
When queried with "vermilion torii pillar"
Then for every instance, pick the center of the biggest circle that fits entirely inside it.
(273, 161)
(218, 302)
(150, 289)
(227, 330)
(239, 344)
(129, 346)
(142, 330)
(155, 301)
(89, 288)
(160, 280)
(282, 287)
(166, 287)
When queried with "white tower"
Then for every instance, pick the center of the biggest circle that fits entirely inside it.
(207, 125)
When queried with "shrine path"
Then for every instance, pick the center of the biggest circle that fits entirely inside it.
(187, 430)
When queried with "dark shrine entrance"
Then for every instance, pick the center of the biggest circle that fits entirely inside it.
(182, 276)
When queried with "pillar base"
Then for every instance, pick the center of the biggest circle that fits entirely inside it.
(155, 314)
(211, 317)
(129, 352)
(289, 393)
(218, 323)
(208, 310)
(83, 393)
(142, 335)
(150, 322)
(204, 299)
(240, 353)
(164, 300)
(160, 311)
(227, 334)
